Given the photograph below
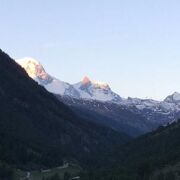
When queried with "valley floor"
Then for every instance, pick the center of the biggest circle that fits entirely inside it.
(71, 169)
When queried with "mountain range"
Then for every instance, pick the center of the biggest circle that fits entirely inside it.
(40, 130)
(86, 89)
(105, 106)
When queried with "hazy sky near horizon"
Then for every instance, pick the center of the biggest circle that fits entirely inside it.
(134, 46)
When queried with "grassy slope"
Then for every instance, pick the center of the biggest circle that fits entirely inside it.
(72, 169)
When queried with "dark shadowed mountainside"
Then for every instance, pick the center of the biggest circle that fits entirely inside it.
(118, 117)
(153, 156)
(38, 131)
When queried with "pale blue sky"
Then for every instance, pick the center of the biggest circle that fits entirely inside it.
(134, 45)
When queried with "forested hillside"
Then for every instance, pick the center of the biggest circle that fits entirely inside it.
(153, 156)
(38, 131)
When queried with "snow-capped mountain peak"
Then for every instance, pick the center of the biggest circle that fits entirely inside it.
(174, 98)
(86, 80)
(33, 68)
(97, 84)
(96, 90)
(36, 71)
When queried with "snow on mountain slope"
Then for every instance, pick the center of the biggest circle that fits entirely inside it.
(160, 112)
(141, 104)
(85, 89)
(36, 71)
(96, 91)
(174, 98)
(33, 68)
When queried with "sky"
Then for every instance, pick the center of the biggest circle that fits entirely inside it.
(134, 46)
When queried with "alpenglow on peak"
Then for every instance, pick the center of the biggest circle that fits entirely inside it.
(86, 80)
(98, 84)
(85, 89)
(33, 68)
